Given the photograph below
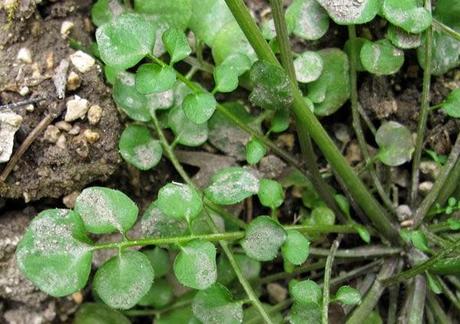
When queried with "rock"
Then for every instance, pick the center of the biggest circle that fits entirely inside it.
(24, 90)
(61, 142)
(430, 168)
(73, 81)
(51, 134)
(30, 108)
(75, 130)
(69, 200)
(82, 61)
(66, 27)
(9, 124)
(24, 55)
(425, 187)
(65, 126)
(76, 108)
(403, 212)
(91, 136)
(94, 114)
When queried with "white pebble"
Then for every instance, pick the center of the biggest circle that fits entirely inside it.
(94, 114)
(24, 90)
(30, 108)
(76, 108)
(24, 55)
(66, 27)
(73, 81)
(82, 61)
(65, 126)
(9, 124)
(91, 136)
(61, 142)
(75, 130)
(51, 134)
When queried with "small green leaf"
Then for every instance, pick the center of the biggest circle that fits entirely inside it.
(151, 78)
(103, 11)
(307, 19)
(264, 237)
(215, 305)
(362, 232)
(348, 295)
(255, 151)
(195, 265)
(381, 57)
(199, 107)
(124, 279)
(171, 13)
(332, 89)
(105, 210)
(454, 224)
(128, 99)
(323, 216)
(98, 313)
(350, 12)
(343, 204)
(308, 66)
(451, 106)
(159, 295)
(445, 52)
(176, 44)
(307, 313)
(157, 224)
(125, 40)
(407, 15)
(395, 142)
(232, 185)
(160, 100)
(159, 259)
(270, 193)
(305, 292)
(419, 240)
(280, 121)
(138, 147)
(187, 132)
(272, 88)
(178, 200)
(296, 247)
(249, 267)
(402, 39)
(433, 283)
(55, 253)
(226, 74)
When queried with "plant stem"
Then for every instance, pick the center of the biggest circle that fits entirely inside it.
(450, 185)
(371, 207)
(372, 297)
(425, 205)
(449, 294)
(355, 273)
(417, 300)
(357, 122)
(327, 279)
(424, 110)
(287, 275)
(437, 310)
(360, 252)
(445, 29)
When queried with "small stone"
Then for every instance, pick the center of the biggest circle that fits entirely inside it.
(77, 297)
(69, 200)
(24, 55)
(49, 60)
(65, 126)
(24, 90)
(403, 212)
(66, 27)
(76, 108)
(91, 136)
(30, 108)
(82, 61)
(9, 124)
(61, 142)
(75, 130)
(430, 168)
(94, 114)
(277, 292)
(51, 134)
(425, 187)
(73, 81)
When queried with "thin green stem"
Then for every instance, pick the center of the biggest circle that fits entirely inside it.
(355, 273)
(449, 294)
(327, 280)
(424, 110)
(446, 29)
(357, 121)
(361, 252)
(450, 185)
(364, 198)
(417, 300)
(437, 310)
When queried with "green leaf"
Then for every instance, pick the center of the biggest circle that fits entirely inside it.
(138, 147)
(402, 39)
(159, 260)
(358, 42)
(395, 142)
(307, 313)
(215, 305)
(249, 267)
(307, 19)
(176, 44)
(381, 57)
(374, 318)
(103, 11)
(264, 237)
(128, 99)
(199, 107)
(419, 240)
(255, 151)
(160, 100)
(55, 253)
(159, 295)
(296, 247)
(451, 106)
(280, 121)
(195, 265)
(232, 185)
(267, 28)
(350, 12)
(172, 13)
(157, 224)
(188, 132)
(445, 53)
(124, 279)
(332, 89)
(407, 15)
(348, 296)
(450, 265)
(323, 216)
(105, 210)
(270, 193)
(305, 292)
(252, 315)
(362, 232)
(125, 40)
(180, 315)
(226, 74)
(178, 200)
(206, 13)
(272, 88)
(98, 313)
(308, 66)
(151, 78)
(433, 283)
(454, 224)
(343, 204)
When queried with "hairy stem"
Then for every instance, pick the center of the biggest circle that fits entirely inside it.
(327, 279)
(424, 110)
